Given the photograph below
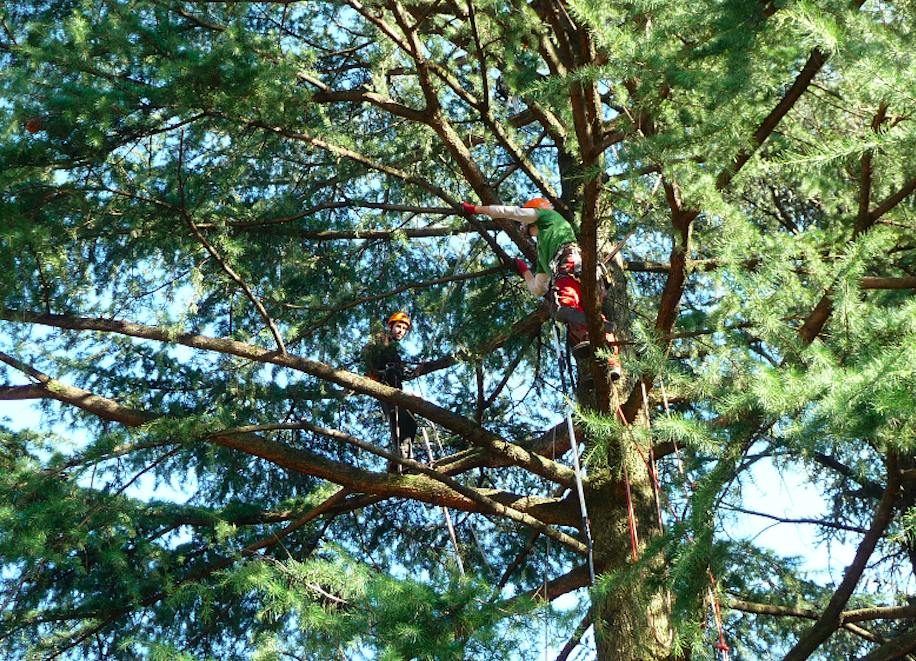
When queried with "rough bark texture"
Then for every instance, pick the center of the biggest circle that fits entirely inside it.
(632, 622)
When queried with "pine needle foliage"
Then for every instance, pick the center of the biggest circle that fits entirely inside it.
(208, 208)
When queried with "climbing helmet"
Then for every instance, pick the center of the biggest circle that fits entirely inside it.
(538, 203)
(399, 316)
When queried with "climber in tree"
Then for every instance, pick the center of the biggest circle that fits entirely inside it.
(382, 362)
(558, 270)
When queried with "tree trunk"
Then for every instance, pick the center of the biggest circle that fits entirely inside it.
(632, 616)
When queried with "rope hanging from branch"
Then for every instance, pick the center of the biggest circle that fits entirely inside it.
(649, 461)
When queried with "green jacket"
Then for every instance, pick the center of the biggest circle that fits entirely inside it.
(381, 360)
(553, 231)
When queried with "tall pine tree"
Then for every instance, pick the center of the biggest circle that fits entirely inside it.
(209, 207)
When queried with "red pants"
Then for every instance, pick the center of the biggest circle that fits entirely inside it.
(569, 294)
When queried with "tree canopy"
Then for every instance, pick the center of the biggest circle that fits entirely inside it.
(208, 207)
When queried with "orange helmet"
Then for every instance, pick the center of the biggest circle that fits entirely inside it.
(538, 203)
(399, 316)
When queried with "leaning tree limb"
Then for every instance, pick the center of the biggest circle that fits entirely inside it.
(832, 617)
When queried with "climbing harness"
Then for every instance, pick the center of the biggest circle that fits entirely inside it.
(567, 263)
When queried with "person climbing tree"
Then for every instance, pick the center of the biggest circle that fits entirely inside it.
(558, 270)
(382, 362)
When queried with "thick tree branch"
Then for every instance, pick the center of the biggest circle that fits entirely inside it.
(864, 218)
(554, 442)
(871, 282)
(811, 68)
(415, 487)
(245, 440)
(530, 510)
(848, 619)
(33, 391)
(895, 649)
(48, 388)
(905, 191)
(676, 283)
(831, 618)
(489, 504)
(366, 96)
(461, 426)
(571, 581)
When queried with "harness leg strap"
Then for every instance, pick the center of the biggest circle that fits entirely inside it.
(573, 316)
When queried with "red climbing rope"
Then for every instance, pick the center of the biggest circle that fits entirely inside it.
(649, 462)
(717, 610)
(630, 513)
(634, 540)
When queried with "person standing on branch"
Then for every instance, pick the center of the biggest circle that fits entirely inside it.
(558, 269)
(382, 362)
